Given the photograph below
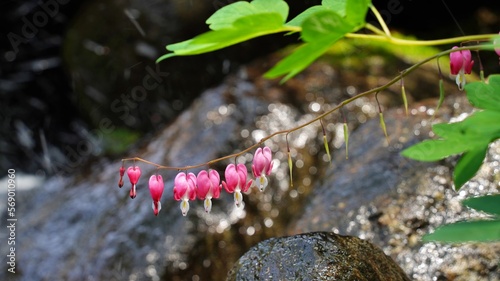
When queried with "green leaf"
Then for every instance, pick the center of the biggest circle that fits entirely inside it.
(274, 6)
(355, 11)
(299, 19)
(324, 23)
(235, 23)
(227, 15)
(485, 96)
(433, 150)
(243, 29)
(494, 81)
(338, 6)
(468, 165)
(484, 124)
(480, 231)
(488, 204)
(319, 31)
(449, 130)
(301, 58)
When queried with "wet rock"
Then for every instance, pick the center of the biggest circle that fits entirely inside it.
(316, 256)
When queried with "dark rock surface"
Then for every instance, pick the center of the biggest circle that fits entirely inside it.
(316, 256)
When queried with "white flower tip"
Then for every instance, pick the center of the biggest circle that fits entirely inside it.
(262, 183)
(460, 79)
(238, 198)
(208, 205)
(184, 207)
(159, 207)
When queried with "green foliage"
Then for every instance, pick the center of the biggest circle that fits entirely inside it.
(485, 96)
(488, 204)
(235, 23)
(470, 137)
(227, 16)
(479, 230)
(468, 231)
(319, 32)
(320, 27)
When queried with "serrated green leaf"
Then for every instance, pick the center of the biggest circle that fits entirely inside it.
(243, 29)
(320, 32)
(449, 130)
(468, 165)
(338, 6)
(272, 6)
(480, 231)
(494, 81)
(324, 23)
(483, 95)
(227, 15)
(489, 204)
(433, 150)
(301, 58)
(484, 124)
(299, 19)
(355, 11)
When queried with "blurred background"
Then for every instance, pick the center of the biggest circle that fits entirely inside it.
(80, 90)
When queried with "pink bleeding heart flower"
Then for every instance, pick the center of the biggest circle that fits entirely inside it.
(133, 174)
(460, 64)
(262, 166)
(156, 187)
(122, 172)
(208, 187)
(185, 190)
(236, 181)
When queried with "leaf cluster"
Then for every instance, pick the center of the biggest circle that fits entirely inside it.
(320, 26)
(478, 230)
(470, 138)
